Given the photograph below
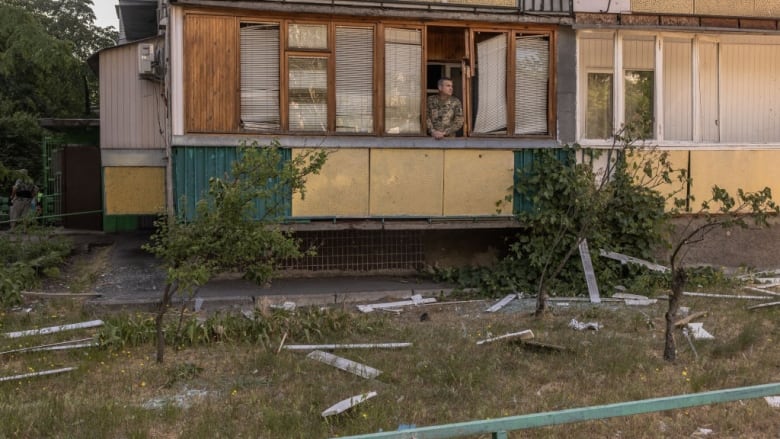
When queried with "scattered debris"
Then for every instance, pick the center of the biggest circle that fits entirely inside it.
(345, 364)
(287, 306)
(71, 344)
(773, 401)
(502, 303)
(767, 285)
(538, 346)
(198, 304)
(761, 290)
(53, 329)
(764, 305)
(524, 335)
(182, 400)
(684, 321)
(625, 259)
(590, 276)
(698, 331)
(347, 404)
(582, 326)
(725, 296)
(641, 302)
(684, 310)
(628, 296)
(414, 300)
(687, 335)
(311, 347)
(281, 344)
(35, 374)
(701, 431)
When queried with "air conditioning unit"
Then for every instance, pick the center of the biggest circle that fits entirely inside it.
(145, 59)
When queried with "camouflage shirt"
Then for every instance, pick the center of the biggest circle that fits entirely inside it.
(444, 115)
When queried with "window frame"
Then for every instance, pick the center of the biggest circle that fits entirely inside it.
(379, 71)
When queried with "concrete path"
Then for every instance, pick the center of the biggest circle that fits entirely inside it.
(134, 279)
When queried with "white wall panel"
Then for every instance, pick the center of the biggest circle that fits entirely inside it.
(677, 77)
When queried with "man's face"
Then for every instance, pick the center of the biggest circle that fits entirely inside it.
(446, 88)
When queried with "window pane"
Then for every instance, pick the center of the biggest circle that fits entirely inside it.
(308, 93)
(639, 89)
(260, 76)
(354, 79)
(307, 36)
(490, 92)
(532, 64)
(678, 90)
(708, 92)
(403, 84)
(599, 117)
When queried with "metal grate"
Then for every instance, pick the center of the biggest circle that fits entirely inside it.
(360, 250)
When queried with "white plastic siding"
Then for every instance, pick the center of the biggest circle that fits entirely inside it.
(708, 92)
(677, 88)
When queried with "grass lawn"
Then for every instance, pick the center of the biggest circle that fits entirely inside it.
(234, 387)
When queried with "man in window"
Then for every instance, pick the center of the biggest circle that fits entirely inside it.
(445, 112)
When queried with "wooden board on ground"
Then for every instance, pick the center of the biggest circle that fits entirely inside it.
(590, 276)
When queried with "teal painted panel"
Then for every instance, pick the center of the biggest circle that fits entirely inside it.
(524, 163)
(194, 166)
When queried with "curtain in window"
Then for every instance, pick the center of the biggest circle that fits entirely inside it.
(491, 85)
(532, 74)
(260, 76)
(403, 63)
(354, 79)
(307, 93)
(597, 60)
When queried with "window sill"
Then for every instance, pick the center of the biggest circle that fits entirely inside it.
(312, 141)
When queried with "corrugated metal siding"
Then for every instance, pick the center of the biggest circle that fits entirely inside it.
(194, 166)
(131, 109)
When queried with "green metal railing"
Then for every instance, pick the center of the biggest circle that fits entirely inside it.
(499, 427)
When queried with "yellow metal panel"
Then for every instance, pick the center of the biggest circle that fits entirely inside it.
(474, 180)
(663, 6)
(675, 189)
(134, 190)
(406, 182)
(730, 8)
(340, 189)
(732, 170)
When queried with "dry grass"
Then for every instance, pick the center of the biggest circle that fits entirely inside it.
(445, 377)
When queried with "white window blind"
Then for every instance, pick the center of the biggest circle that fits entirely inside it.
(260, 76)
(749, 93)
(354, 79)
(403, 82)
(307, 93)
(678, 90)
(491, 85)
(532, 75)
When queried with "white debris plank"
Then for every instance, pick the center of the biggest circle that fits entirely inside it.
(53, 329)
(414, 300)
(698, 331)
(641, 302)
(773, 401)
(762, 290)
(312, 347)
(502, 303)
(590, 276)
(764, 305)
(46, 294)
(767, 285)
(628, 296)
(40, 347)
(725, 296)
(624, 259)
(36, 374)
(347, 404)
(523, 335)
(345, 364)
(67, 346)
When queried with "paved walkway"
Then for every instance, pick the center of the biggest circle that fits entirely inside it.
(135, 280)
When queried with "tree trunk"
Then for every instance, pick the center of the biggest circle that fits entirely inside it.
(165, 303)
(541, 299)
(679, 278)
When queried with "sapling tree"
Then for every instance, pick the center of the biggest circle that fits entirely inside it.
(721, 210)
(616, 206)
(228, 232)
